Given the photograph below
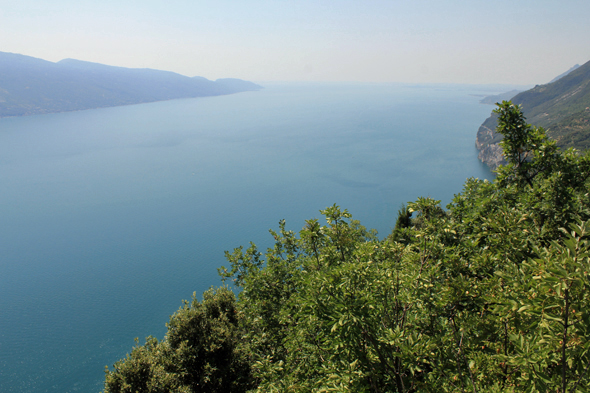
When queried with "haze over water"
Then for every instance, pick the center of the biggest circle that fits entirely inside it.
(110, 217)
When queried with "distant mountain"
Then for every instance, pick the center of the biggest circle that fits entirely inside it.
(561, 107)
(33, 86)
(491, 100)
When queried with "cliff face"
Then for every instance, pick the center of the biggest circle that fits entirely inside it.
(486, 142)
(561, 107)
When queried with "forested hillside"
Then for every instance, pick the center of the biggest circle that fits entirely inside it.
(34, 86)
(561, 107)
(490, 294)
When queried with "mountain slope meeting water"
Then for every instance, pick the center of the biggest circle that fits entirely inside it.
(562, 107)
(111, 216)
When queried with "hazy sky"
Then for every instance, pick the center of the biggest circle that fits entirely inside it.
(458, 41)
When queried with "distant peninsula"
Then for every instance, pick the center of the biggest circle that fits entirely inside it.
(491, 100)
(30, 86)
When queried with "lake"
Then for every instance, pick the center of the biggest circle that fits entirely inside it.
(110, 217)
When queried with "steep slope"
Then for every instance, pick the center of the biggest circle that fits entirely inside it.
(561, 107)
(32, 86)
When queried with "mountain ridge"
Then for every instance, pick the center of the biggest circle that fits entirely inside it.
(29, 85)
(565, 73)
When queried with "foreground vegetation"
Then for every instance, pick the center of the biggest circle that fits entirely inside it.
(490, 295)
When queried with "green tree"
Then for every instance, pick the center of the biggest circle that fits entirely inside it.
(201, 352)
(402, 223)
(545, 303)
(555, 181)
(527, 149)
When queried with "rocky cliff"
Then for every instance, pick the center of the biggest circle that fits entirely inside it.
(486, 143)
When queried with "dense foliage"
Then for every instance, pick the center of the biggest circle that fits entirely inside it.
(490, 295)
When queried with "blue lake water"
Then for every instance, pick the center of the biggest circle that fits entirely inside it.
(110, 217)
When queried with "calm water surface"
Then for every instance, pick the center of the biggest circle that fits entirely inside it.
(109, 217)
